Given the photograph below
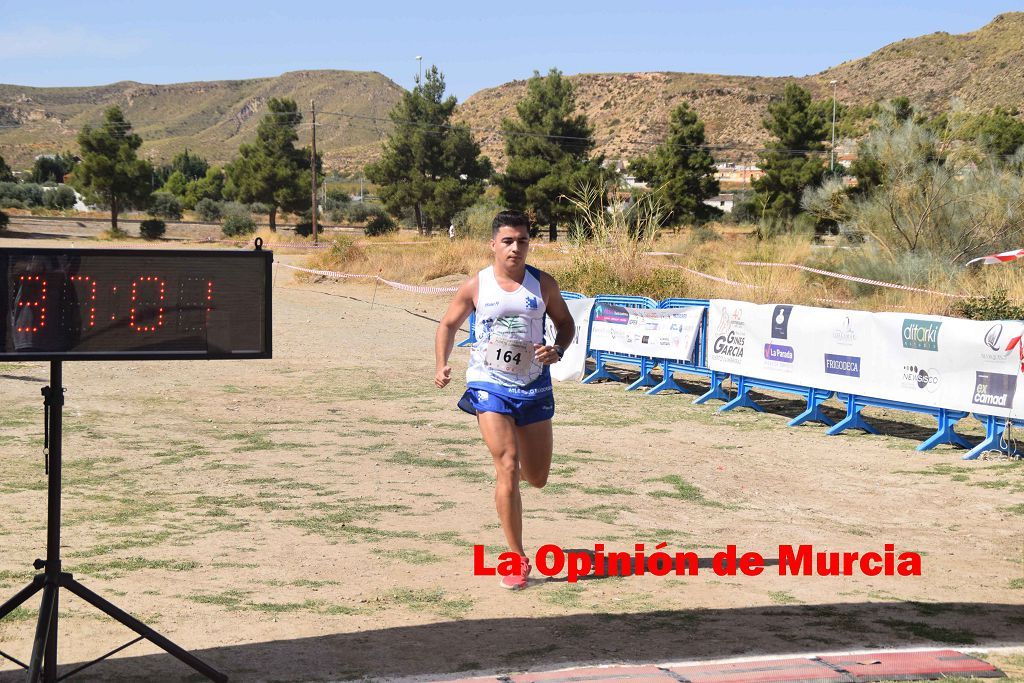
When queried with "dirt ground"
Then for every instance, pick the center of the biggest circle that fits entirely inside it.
(312, 517)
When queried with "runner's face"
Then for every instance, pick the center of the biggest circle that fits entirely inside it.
(510, 246)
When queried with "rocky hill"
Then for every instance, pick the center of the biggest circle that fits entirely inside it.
(211, 118)
(983, 69)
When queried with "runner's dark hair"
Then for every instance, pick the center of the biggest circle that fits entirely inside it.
(511, 219)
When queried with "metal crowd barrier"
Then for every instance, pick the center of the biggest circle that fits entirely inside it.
(602, 358)
(996, 427)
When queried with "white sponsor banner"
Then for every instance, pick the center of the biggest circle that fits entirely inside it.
(573, 363)
(652, 332)
(801, 345)
(925, 360)
(954, 363)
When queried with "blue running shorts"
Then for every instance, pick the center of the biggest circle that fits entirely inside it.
(524, 412)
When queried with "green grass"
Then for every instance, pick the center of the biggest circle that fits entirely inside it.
(407, 458)
(558, 487)
(566, 595)
(130, 511)
(301, 583)
(121, 567)
(230, 599)
(683, 490)
(607, 491)
(282, 607)
(1017, 584)
(20, 614)
(783, 598)
(602, 513)
(429, 600)
(142, 539)
(181, 453)
(259, 441)
(412, 556)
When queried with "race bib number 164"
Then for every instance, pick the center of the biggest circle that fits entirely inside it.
(512, 356)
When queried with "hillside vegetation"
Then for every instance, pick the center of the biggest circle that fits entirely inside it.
(983, 68)
(210, 118)
(630, 111)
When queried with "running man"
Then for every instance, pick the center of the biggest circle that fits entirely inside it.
(509, 383)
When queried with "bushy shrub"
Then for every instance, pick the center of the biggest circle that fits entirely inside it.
(60, 197)
(343, 251)
(238, 224)
(233, 208)
(380, 224)
(475, 222)
(703, 233)
(208, 210)
(20, 195)
(304, 228)
(152, 228)
(360, 212)
(336, 199)
(995, 306)
(4, 221)
(165, 205)
(259, 208)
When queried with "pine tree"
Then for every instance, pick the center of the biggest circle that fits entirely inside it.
(271, 170)
(791, 163)
(548, 150)
(6, 174)
(681, 170)
(110, 173)
(429, 165)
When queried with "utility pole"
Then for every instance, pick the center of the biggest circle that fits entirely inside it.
(312, 166)
(832, 161)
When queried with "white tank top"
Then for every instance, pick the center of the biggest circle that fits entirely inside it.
(508, 324)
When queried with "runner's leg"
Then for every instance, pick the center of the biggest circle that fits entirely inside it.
(535, 445)
(499, 432)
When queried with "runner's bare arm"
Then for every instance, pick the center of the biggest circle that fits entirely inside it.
(558, 311)
(444, 341)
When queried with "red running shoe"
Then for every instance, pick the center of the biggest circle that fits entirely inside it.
(518, 580)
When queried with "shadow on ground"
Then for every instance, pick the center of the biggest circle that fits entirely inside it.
(790, 407)
(517, 644)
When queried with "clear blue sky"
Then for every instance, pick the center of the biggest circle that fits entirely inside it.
(475, 44)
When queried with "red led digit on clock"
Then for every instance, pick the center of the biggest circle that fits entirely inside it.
(91, 295)
(39, 304)
(147, 309)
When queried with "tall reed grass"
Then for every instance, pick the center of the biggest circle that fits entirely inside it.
(618, 259)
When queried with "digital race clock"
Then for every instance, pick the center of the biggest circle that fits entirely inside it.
(134, 304)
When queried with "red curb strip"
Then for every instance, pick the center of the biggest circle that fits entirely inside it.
(906, 665)
(912, 666)
(797, 670)
(618, 674)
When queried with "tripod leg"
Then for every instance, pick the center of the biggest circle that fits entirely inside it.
(50, 653)
(146, 632)
(43, 626)
(22, 595)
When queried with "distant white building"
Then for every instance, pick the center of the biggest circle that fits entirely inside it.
(722, 201)
(737, 174)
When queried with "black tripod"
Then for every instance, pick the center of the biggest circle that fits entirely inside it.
(43, 664)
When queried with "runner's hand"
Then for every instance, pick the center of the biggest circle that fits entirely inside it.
(545, 355)
(443, 376)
